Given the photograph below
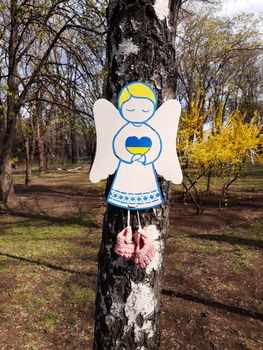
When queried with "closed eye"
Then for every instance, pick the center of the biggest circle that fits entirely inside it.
(130, 110)
(145, 110)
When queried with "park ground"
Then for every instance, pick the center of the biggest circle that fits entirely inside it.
(213, 280)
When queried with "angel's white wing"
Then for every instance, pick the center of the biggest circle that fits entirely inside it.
(107, 122)
(165, 122)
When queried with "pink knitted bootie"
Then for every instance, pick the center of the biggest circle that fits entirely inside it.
(145, 249)
(125, 247)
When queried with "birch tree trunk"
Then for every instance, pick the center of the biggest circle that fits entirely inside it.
(140, 48)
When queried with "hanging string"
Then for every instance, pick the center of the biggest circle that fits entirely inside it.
(129, 219)
(139, 222)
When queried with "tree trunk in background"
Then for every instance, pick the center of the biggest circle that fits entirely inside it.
(28, 135)
(8, 130)
(90, 144)
(41, 155)
(30, 150)
(28, 178)
(128, 300)
(40, 142)
(7, 185)
(74, 145)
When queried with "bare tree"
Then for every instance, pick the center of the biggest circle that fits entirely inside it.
(25, 26)
(216, 58)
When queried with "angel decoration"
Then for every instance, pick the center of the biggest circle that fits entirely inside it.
(136, 142)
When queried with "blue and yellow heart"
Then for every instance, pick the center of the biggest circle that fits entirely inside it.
(138, 146)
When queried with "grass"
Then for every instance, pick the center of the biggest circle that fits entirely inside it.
(48, 287)
(217, 264)
(48, 238)
(39, 303)
(47, 304)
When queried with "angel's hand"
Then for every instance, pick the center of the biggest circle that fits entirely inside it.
(142, 159)
(136, 157)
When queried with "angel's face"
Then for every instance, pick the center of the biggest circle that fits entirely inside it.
(137, 110)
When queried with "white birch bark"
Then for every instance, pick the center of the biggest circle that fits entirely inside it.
(128, 303)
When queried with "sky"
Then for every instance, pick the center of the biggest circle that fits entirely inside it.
(232, 7)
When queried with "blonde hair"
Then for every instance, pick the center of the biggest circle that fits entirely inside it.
(136, 89)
